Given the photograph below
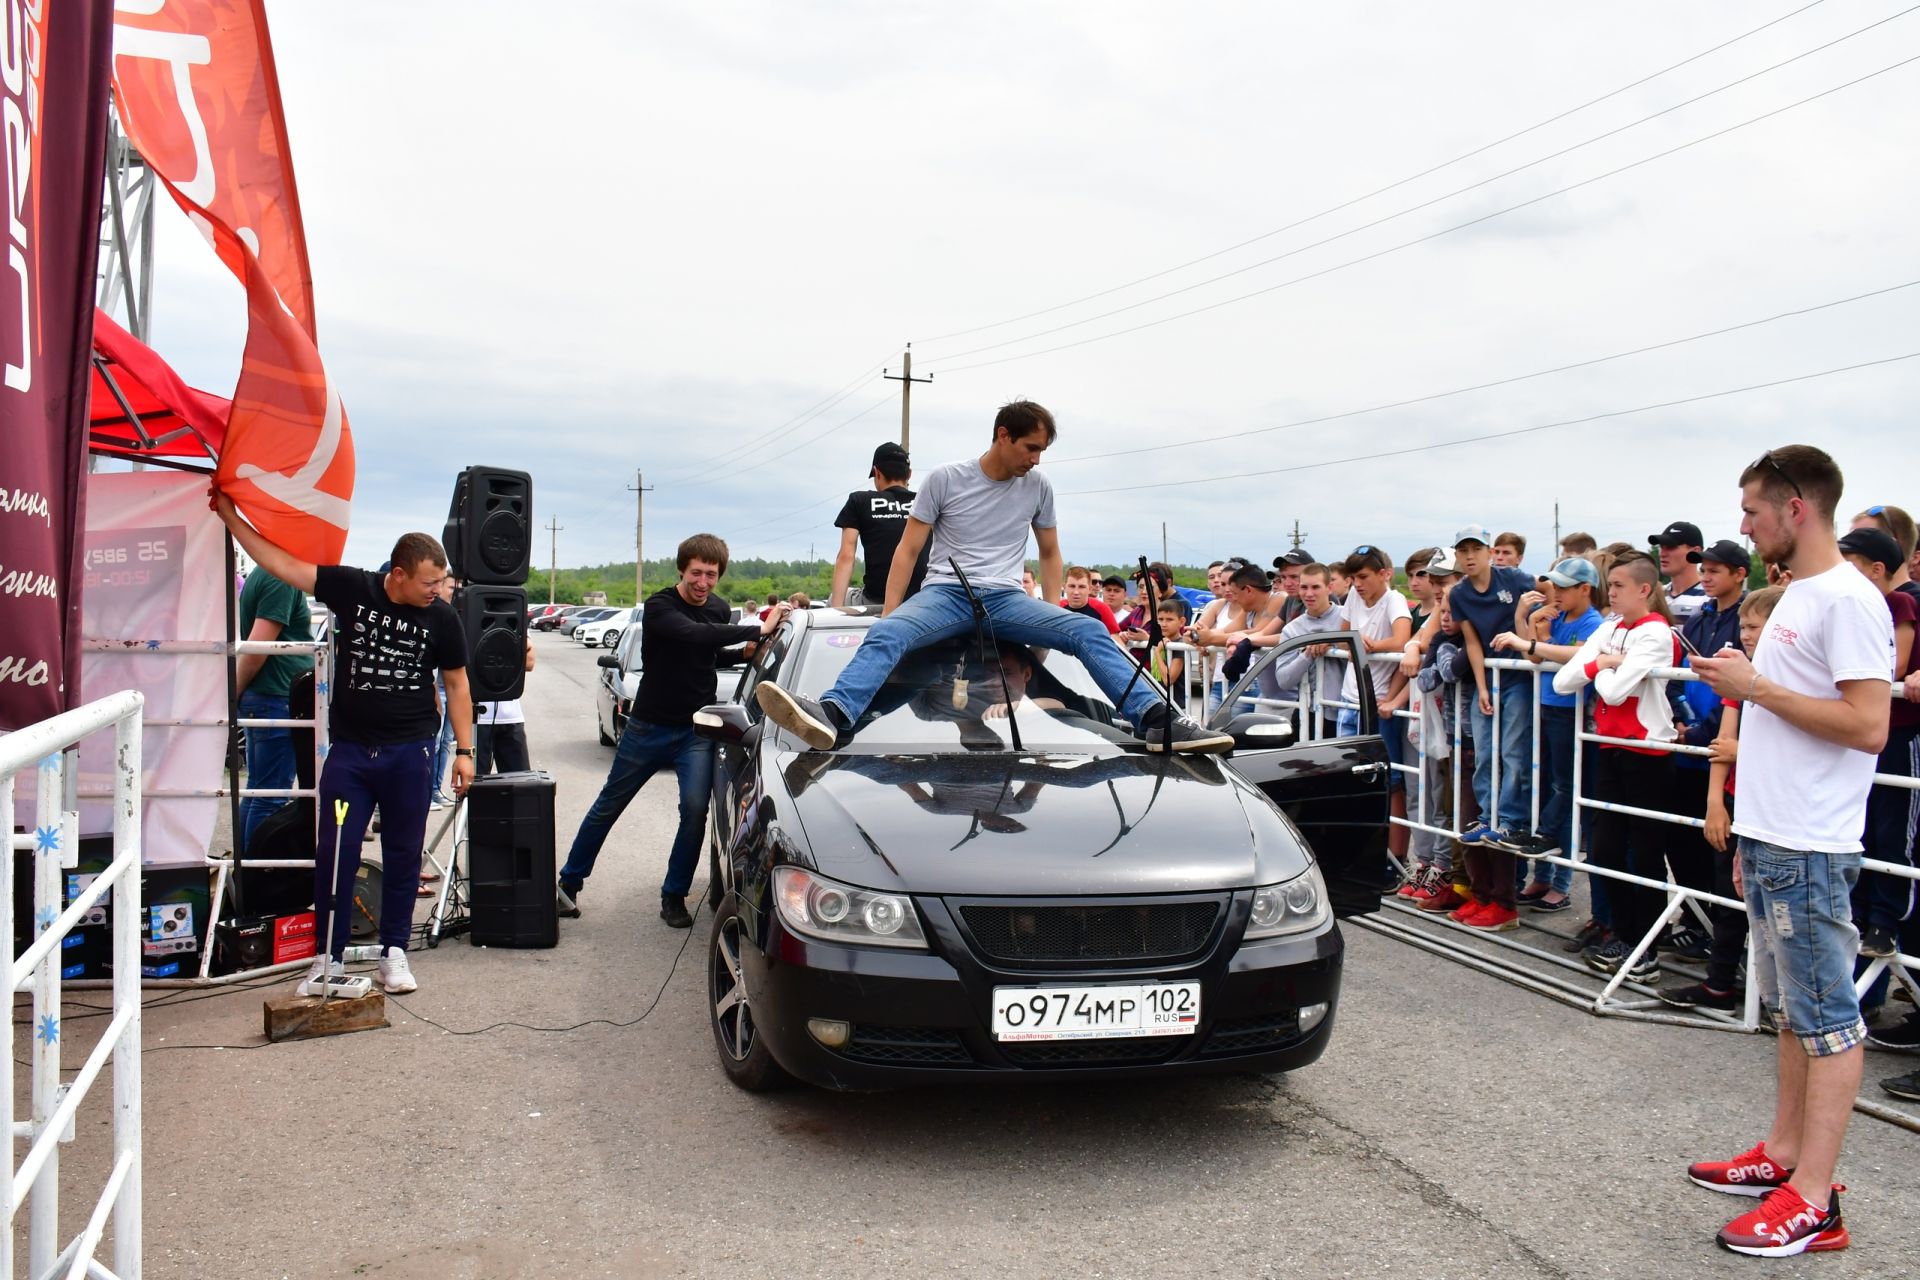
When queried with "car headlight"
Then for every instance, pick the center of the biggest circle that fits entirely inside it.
(813, 905)
(1298, 905)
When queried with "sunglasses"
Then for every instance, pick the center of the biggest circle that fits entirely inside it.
(1363, 550)
(1768, 461)
(1878, 509)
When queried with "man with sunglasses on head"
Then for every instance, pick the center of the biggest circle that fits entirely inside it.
(391, 633)
(1814, 710)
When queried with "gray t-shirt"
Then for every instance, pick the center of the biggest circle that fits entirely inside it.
(982, 523)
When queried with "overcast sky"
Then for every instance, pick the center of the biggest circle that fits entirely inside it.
(589, 239)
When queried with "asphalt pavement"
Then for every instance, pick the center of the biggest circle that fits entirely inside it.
(1457, 1126)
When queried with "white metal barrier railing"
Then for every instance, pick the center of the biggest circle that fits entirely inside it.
(54, 845)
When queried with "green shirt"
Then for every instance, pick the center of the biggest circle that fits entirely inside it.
(265, 596)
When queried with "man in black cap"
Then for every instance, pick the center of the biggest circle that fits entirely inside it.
(874, 519)
(1289, 566)
(1675, 546)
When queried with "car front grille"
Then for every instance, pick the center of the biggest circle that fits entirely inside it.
(907, 1047)
(1252, 1035)
(1118, 933)
(1093, 1053)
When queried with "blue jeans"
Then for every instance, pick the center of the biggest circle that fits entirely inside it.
(644, 750)
(393, 778)
(269, 761)
(1515, 809)
(1556, 810)
(940, 611)
(1804, 942)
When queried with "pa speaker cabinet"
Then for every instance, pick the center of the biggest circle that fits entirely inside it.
(495, 619)
(489, 533)
(510, 860)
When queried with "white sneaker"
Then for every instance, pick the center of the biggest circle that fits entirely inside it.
(313, 984)
(396, 975)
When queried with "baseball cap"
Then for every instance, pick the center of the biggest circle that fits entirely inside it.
(1443, 563)
(1730, 554)
(1113, 580)
(891, 460)
(1297, 557)
(1573, 571)
(1681, 533)
(1472, 533)
(1873, 544)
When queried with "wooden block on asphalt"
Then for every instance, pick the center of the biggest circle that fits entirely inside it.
(304, 1017)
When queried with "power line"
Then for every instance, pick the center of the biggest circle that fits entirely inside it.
(1445, 164)
(809, 441)
(1415, 208)
(1216, 478)
(1484, 386)
(791, 424)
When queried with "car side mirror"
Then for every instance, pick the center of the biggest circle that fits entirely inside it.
(1259, 731)
(611, 660)
(722, 722)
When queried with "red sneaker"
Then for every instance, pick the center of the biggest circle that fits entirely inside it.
(1751, 1173)
(1444, 898)
(1785, 1224)
(1416, 881)
(1466, 914)
(1428, 889)
(1495, 918)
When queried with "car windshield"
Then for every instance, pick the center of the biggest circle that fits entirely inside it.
(942, 698)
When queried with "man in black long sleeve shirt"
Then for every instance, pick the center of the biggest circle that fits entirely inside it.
(683, 633)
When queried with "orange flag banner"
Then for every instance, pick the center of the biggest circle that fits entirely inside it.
(195, 86)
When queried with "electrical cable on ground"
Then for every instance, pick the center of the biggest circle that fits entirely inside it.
(1216, 478)
(1445, 164)
(1484, 386)
(1435, 235)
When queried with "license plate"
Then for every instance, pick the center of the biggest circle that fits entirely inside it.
(1096, 1013)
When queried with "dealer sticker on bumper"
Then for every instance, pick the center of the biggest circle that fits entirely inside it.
(1096, 1013)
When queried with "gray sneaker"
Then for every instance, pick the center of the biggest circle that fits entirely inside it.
(1187, 737)
(567, 900)
(806, 719)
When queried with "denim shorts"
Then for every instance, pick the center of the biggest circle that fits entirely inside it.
(1804, 942)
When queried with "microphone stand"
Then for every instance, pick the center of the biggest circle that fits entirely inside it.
(982, 625)
(1154, 637)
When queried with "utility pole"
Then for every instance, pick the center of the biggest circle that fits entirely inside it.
(906, 380)
(640, 489)
(1556, 528)
(1298, 536)
(1163, 544)
(553, 554)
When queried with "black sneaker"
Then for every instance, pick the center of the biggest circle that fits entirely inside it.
(1531, 846)
(1647, 970)
(1187, 736)
(1590, 933)
(816, 724)
(1903, 1037)
(1698, 995)
(1906, 1086)
(674, 912)
(1690, 944)
(1877, 942)
(567, 898)
(1605, 957)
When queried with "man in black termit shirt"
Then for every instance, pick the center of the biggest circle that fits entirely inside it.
(390, 632)
(873, 519)
(682, 632)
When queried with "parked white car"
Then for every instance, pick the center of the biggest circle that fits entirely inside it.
(605, 633)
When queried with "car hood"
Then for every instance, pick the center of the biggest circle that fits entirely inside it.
(1037, 824)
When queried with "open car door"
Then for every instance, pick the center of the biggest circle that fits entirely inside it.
(1333, 788)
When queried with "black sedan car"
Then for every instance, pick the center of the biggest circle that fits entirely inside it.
(959, 892)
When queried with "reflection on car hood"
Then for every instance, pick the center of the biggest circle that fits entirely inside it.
(1038, 824)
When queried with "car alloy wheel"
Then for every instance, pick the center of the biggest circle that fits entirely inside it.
(743, 1054)
(610, 639)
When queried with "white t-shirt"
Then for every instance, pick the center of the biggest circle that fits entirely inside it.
(980, 523)
(1375, 622)
(507, 712)
(1798, 791)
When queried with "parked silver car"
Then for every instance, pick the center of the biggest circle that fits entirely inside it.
(573, 622)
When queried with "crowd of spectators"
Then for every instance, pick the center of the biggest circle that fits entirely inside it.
(1607, 621)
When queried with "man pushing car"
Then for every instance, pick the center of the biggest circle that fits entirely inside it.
(978, 513)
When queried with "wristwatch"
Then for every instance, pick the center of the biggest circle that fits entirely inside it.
(463, 751)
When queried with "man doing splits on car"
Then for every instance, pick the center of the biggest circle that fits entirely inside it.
(683, 630)
(391, 632)
(978, 513)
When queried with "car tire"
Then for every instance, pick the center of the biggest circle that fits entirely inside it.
(610, 639)
(601, 729)
(744, 1055)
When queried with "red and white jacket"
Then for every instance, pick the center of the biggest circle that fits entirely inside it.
(1632, 701)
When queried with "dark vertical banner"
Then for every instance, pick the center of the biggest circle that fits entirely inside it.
(55, 68)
